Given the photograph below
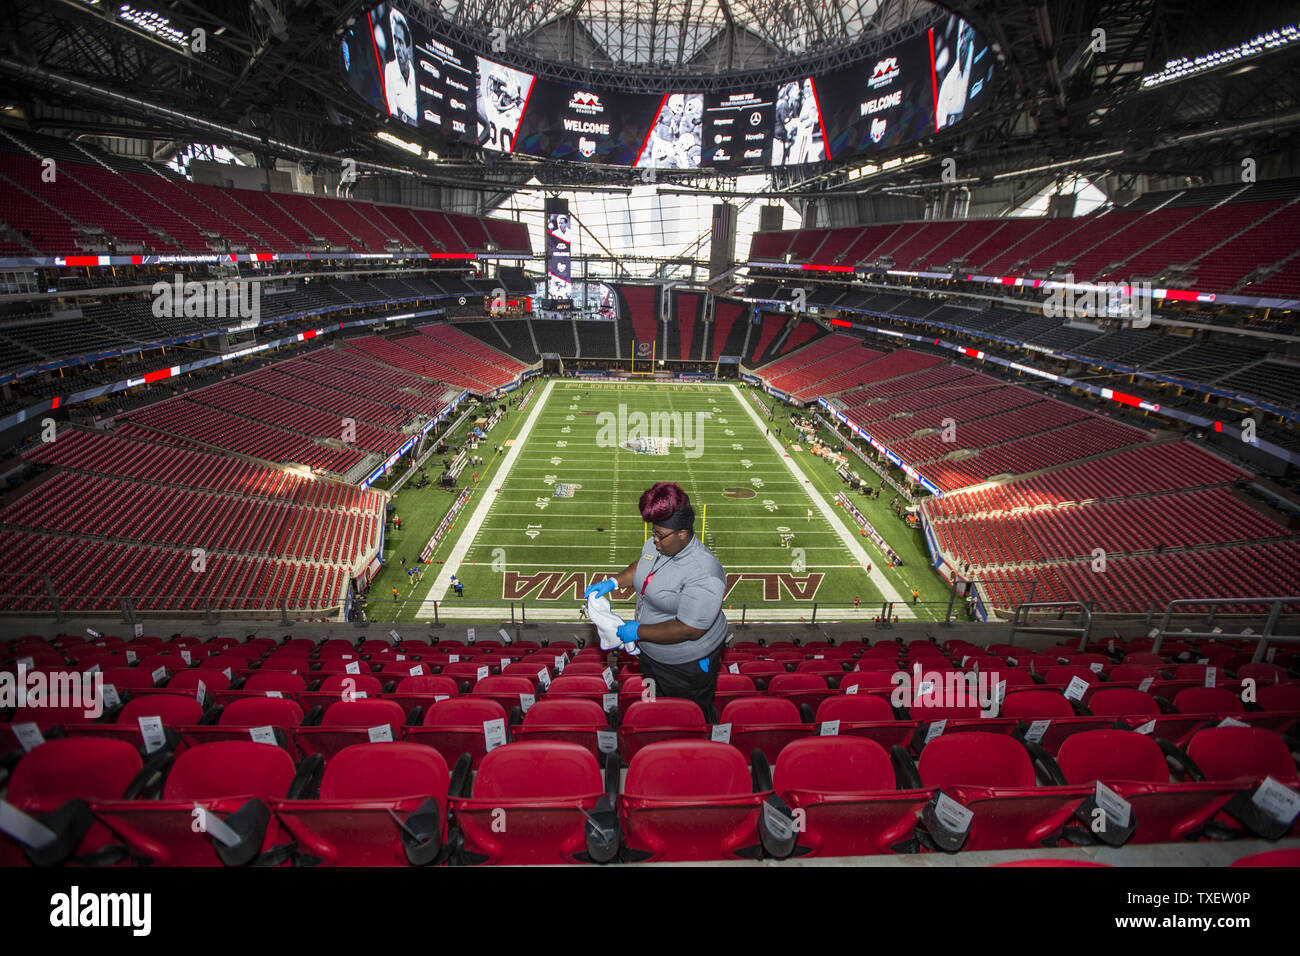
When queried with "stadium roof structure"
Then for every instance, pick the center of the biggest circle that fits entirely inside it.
(269, 84)
(680, 34)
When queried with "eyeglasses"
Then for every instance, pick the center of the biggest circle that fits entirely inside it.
(661, 537)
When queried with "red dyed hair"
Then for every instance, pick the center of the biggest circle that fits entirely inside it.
(660, 500)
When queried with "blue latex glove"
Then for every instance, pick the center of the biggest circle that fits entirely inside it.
(599, 589)
(627, 631)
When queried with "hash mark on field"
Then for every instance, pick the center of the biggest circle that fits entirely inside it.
(613, 500)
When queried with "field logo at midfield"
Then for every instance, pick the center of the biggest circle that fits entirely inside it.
(615, 431)
(569, 585)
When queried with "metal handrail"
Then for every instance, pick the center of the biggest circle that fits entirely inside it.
(1020, 619)
(1274, 604)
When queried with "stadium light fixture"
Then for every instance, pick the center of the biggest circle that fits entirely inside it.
(1183, 67)
(155, 24)
(1064, 164)
(392, 140)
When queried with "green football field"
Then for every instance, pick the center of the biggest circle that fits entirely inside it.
(557, 509)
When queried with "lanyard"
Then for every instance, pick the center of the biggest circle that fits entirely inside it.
(655, 570)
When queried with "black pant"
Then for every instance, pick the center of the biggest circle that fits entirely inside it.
(687, 681)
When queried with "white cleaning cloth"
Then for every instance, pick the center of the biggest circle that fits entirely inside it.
(607, 624)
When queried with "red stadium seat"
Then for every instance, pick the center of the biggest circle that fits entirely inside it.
(571, 720)
(993, 776)
(454, 727)
(281, 683)
(1270, 858)
(691, 800)
(379, 805)
(543, 792)
(236, 781)
(506, 690)
(801, 689)
(1263, 673)
(72, 769)
(664, 718)
(848, 790)
(1215, 701)
(763, 723)
(351, 722)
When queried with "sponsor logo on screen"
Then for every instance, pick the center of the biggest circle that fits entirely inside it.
(587, 147)
(885, 72)
(586, 103)
(877, 129)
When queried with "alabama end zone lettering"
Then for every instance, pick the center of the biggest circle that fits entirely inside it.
(569, 585)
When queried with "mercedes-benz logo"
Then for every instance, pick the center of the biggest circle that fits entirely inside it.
(755, 118)
(461, 300)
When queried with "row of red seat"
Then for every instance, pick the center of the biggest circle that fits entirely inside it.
(1210, 516)
(928, 400)
(1226, 652)
(238, 433)
(107, 454)
(807, 357)
(1036, 419)
(1223, 242)
(1141, 583)
(1092, 436)
(92, 575)
(453, 349)
(1007, 426)
(827, 366)
(135, 207)
(248, 402)
(846, 369)
(359, 375)
(1133, 472)
(792, 705)
(279, 381)
(489, 365)
(396, 803)
(246, 510)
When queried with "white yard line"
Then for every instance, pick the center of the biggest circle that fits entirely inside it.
(788, 614)
(442, 584)
(569, 566)
(901, 608)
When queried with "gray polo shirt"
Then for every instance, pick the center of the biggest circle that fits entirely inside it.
(688, 586)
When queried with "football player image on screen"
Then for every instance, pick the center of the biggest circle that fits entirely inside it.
(558, 226)
(690, 133)
(951, 101)
(502, 93)
(676, 139)
(798, 135)
(559, 288)
(399, 73)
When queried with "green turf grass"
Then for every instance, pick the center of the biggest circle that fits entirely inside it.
(541, 549)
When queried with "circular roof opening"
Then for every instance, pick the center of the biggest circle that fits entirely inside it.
(673, 35)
